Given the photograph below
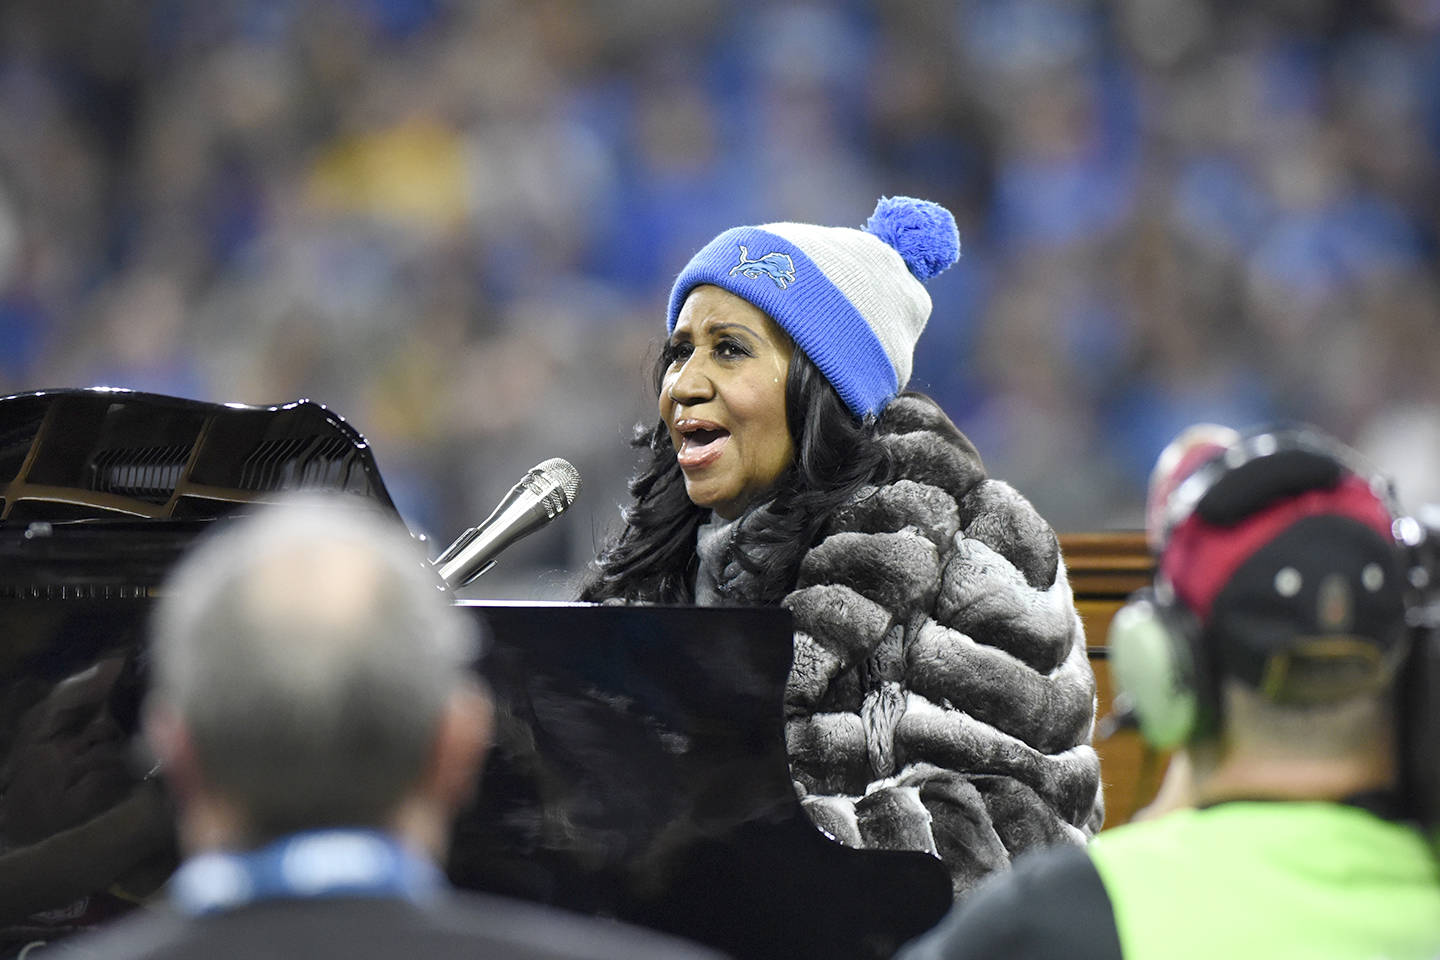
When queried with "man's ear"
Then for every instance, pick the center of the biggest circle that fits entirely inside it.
(174, 750)
(461, 740)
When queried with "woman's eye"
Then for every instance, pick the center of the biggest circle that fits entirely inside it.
(677, 352)
(731, 349)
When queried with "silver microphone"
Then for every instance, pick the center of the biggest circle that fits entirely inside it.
(544, 493)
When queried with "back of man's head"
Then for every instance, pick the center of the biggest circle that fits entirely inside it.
(1281, 589)
(310, 657)
(1287, 559)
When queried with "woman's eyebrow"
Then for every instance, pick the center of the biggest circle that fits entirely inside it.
(725, 326)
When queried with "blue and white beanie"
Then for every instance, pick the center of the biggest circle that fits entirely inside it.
(851, 299)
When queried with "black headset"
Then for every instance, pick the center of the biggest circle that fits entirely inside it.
(1165, 664)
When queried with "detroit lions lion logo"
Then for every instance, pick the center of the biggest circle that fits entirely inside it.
(777, 266)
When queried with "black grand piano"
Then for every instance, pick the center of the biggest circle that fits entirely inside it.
(639, 770)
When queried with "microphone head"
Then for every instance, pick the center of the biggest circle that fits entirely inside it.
(561, 483)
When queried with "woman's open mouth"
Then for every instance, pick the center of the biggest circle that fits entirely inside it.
(701, 443)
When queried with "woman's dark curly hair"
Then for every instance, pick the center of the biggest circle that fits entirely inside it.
(653, 560)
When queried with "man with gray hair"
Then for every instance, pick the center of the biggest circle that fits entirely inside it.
(314, 713)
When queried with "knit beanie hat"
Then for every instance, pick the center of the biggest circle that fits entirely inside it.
(851, 299)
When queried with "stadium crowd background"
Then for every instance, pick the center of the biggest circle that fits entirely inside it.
(456, 222)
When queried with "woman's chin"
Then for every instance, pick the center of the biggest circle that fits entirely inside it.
(703, 494)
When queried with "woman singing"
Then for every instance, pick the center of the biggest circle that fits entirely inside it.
(940, 697)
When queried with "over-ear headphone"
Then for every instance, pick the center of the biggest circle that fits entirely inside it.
(1165, 659)
(1160, 668)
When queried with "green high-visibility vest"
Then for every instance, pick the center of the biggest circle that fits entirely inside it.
(1272, 880)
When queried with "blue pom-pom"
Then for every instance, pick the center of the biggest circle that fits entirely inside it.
(924, 233)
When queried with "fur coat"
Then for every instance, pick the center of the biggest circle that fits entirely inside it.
(940, 697)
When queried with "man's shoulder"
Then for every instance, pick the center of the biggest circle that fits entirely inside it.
(543, 931)
(457, 924)
(1050, 903)
(144, 933)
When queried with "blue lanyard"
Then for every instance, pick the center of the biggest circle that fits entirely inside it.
(322, 863)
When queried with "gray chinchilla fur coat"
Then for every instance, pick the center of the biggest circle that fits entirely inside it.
(940, 697)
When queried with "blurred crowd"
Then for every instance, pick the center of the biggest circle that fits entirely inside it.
(455, 222)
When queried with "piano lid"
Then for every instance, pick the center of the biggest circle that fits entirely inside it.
(85, 474)
(105, 453)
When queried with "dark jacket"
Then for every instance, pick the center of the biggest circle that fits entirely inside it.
(376, 929)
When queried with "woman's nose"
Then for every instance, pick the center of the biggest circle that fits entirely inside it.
(692, 385)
